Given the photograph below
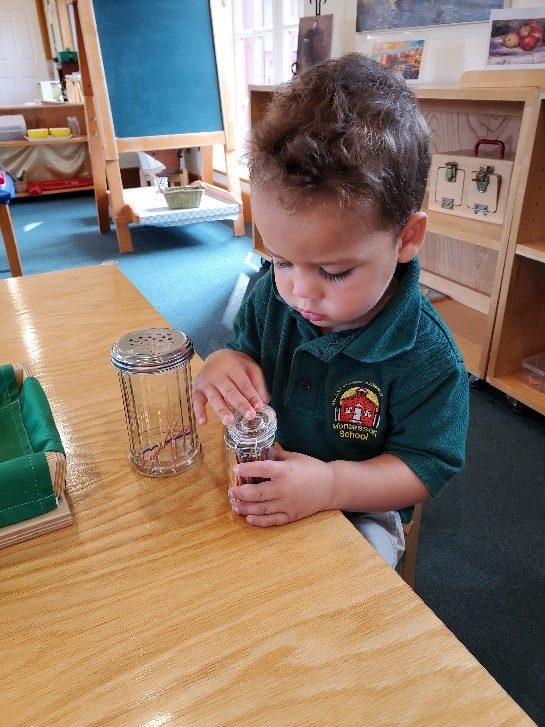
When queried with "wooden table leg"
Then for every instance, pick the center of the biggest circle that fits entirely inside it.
(10, 243)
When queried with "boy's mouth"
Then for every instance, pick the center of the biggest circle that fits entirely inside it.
(310, 316)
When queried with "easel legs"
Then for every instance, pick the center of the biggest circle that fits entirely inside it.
(124, 239)
(10, 243)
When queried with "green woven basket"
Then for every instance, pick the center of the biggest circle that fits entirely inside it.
(180, 198)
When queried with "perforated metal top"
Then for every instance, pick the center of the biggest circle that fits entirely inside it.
(152, 350)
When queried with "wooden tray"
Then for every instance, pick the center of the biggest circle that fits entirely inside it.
(56, 519)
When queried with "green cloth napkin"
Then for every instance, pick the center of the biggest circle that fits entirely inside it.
(27, 431)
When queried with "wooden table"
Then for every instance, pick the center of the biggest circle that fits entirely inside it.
(160, 607)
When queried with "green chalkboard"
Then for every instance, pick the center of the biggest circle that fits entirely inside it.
(160, 66)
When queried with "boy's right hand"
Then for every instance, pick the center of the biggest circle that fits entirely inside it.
(229, 381)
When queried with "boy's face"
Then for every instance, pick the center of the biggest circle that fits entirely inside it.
(328, 264)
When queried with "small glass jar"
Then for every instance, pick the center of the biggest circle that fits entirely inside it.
(154, 370)
(250, 440)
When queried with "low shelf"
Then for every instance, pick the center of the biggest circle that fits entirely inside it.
(532, 250)
(513, 385)
(469, 328)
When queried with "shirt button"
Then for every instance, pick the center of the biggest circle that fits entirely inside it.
(305, 384)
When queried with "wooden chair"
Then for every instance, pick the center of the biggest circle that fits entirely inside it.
(407, 564)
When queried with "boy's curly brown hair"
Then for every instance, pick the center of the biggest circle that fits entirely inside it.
(347, 129)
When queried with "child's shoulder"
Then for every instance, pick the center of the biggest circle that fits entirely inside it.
(434, 332)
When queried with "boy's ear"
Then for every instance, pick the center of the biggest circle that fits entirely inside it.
(411, 237)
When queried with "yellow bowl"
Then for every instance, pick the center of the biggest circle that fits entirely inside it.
(37, 133)
(59, 131)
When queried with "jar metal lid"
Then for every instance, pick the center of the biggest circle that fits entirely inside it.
(253, 431)
(152, 350)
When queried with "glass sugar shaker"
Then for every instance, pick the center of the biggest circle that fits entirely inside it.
(250, 440)
(154, 370)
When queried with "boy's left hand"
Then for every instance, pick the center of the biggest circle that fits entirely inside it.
(296, 486)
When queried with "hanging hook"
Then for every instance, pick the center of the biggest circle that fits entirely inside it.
(318, 5)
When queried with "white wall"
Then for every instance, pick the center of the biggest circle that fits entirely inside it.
(449, 51)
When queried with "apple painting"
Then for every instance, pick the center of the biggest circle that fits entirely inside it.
(511, 40)
(528, 42)
(517, 40)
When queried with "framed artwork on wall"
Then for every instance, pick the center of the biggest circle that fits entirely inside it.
(517, 38)
(373, 16)
(314, 41)
(404, 56)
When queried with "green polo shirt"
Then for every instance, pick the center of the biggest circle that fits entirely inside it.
(396, 385)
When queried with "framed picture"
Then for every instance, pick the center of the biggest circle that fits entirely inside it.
(404, 56)
(517, 38)
(373, 15)
(314, 42)
(50, 91)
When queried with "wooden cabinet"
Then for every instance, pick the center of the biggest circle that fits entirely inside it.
(46, 116)
(465, 258)
(520, 323)
(472, 261)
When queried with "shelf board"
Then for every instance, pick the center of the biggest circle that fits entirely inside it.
(533, 250)
(470, 330)
(513, 385)
(460, 293)
(476, 232)
(87, 188)
(13, 143)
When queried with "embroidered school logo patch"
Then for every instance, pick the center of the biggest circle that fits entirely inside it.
(357, 410)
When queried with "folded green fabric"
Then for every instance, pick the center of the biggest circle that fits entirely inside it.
(9, 391)
(25, 489)
(27, 431)
(38, 419)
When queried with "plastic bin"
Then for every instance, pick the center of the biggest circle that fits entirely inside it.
(533, 371)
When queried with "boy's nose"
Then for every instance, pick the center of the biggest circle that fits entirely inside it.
(305, 287)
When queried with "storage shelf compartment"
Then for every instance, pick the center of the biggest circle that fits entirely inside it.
(476, 232)
(460, 293)
(470, 329)
(532, 250)
(513, 385)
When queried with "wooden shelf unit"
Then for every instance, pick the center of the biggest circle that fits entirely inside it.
(39, 116)
(520, 324)
(465, 258)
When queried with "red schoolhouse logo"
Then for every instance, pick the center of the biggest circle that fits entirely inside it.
(357, 410)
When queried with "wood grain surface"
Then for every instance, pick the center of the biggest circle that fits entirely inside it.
(160, 607)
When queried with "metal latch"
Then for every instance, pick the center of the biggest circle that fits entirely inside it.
(480, 209)
(451, 170)
(482, 177)
(447, 203)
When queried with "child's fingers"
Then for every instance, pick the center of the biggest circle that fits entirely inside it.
(255, 374)
(241, 395)
(199, 406)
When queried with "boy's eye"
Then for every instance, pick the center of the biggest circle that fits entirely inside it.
(281, 264)
(335, 277)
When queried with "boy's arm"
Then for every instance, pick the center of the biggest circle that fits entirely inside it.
(298, 486)
(423, 451)
(231, 378)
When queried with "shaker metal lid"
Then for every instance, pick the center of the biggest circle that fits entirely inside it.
(151, 350)
(246, 431)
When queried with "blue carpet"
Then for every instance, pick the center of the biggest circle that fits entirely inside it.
(191, 274)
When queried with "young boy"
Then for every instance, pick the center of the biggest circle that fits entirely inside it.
(369, 389)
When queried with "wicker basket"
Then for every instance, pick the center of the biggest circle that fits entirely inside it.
(179, 198)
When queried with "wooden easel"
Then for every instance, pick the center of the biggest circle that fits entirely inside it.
(105, 146)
